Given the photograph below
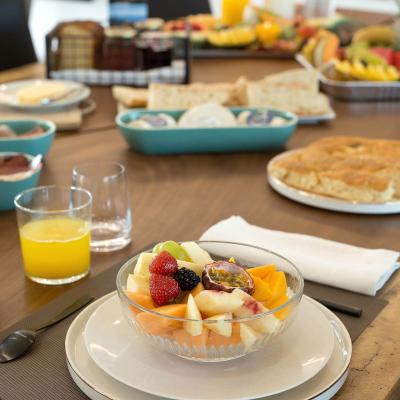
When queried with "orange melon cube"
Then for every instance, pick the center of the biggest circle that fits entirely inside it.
(218, 340)
(141, 299)
(194, 292)
(183, 337)
(158, 325)
(262, 271)
(199, 288)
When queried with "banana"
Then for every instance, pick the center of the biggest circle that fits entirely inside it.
(234, 37)
(358, 70)
(375, 34)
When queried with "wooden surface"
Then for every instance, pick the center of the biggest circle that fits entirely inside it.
(178, 197)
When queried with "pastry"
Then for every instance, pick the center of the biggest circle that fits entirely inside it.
(350, 168)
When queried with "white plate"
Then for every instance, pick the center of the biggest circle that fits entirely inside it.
(301, 352)
(326, 202)
(8, 95)
(316, 119)
(97, 385)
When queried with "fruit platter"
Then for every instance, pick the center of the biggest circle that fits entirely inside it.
(187, 301)
(367, 69)
(259, 33)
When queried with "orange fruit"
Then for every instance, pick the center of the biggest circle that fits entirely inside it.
(262, 272)
(262, 291)
(158, 325)
(277, 284)
(142, 299)
(182, 337)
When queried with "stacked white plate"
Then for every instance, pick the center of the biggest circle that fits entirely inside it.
(108, 360)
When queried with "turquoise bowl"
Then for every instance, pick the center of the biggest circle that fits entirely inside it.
(30, 145)
(205, 140)
(8, 190)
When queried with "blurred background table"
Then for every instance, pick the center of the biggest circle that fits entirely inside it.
(178, 197)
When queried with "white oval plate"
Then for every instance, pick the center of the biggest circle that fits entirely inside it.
(301, 353)
(325, 202)
(97, 385)
(8, 95)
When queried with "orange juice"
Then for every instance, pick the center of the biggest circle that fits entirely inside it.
(56, 248)
(232, 11)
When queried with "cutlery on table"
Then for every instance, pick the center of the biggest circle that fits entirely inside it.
(18, 342)
(343, 308)
(46, 101)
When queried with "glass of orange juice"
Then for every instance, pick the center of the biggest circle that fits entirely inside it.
(54, 230)
(232, 11)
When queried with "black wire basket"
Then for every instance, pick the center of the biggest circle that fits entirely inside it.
(97, 59)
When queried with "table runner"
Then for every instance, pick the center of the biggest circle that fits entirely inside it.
(43, 375)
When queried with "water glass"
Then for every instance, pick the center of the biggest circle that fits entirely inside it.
(54, 231)
(111, 213)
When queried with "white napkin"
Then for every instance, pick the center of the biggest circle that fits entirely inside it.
(336, 264)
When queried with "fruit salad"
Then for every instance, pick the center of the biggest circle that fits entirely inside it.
(208, 304)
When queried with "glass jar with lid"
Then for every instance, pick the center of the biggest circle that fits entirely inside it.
(119, 49)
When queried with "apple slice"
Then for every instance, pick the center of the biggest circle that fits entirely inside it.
(222, 327)
(248, 335)
(250, 307)
(197, 254)
(138, 284)
(194, 328)
(143, 263)
(214, 302)
(194, 267)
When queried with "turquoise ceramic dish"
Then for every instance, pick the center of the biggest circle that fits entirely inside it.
(9, 189)
(30, 145)
(205, 140)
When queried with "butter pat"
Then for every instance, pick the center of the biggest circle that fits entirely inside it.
(34, 94)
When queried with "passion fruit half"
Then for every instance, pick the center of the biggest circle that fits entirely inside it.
(227, 276)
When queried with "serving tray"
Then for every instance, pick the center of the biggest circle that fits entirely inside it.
(353, 90)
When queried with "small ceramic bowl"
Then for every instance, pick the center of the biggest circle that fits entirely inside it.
(9, 189)
(34, 145)
(168, 333)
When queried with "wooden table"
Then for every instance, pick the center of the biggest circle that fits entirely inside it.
(178, 197)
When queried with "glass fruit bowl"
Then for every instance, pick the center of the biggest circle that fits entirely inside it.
(229, 325)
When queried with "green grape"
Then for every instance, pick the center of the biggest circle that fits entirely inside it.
(173, 248)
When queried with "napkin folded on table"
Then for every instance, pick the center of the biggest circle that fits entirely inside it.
(331, 263)
(65, 120)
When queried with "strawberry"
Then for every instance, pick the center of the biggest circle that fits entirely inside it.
(164, 264)
(163, 289)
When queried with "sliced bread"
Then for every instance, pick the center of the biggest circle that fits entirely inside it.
(298, 101)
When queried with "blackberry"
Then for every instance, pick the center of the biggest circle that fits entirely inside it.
(186, 278)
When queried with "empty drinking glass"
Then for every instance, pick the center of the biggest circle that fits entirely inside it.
(111, 213)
